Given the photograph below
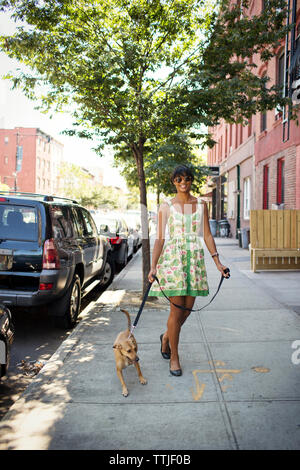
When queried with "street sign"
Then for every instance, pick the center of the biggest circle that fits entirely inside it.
(19, 158)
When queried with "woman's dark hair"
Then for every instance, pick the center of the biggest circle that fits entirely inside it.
(182, 170)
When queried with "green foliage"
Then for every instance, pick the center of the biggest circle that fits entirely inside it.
(160, 159)
(224, 83)
(75, 183)
(136, 70)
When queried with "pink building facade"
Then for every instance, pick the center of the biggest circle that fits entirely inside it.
(29, 160)
(259, 163)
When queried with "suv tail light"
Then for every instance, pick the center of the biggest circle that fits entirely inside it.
(116, 240)
(50, 255)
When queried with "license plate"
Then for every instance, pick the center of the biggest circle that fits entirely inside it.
(6, 259)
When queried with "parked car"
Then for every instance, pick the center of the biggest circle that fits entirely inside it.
(50, 250)
(114, 227)
(133, 220)
(152, 221)
(6, 338)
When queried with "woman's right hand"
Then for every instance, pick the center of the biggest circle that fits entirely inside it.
(151, 273)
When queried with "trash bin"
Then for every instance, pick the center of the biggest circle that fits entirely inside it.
(239, 231)
(213, 227)
(245, 237)
(224, 228)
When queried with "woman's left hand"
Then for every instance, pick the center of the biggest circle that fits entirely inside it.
(221, 268)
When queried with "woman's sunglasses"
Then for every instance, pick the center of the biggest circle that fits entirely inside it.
(187, 179)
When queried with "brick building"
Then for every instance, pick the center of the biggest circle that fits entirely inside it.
(29, 160)
(259, 164)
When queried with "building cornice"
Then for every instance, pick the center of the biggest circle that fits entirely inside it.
(242, 153)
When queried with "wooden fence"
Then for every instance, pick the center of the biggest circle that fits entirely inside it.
(275, 239)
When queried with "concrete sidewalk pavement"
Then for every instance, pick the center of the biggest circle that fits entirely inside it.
(240, 387)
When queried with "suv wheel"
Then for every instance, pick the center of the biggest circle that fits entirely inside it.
(67, 308)
(109, 272)
(2, 370)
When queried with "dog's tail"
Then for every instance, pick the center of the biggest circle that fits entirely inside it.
(128, 318)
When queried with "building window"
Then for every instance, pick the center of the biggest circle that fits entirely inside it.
(280, 181)
(6, 139)
(296, 68)
(224, 194)
(263, 117)
(6, 160)
(266, 187)
(247, 195)
(263, 122)
(280, 81)
(280, 70)
(264, 5)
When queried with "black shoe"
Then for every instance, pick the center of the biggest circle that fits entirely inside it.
(176, 373)
(165, 355)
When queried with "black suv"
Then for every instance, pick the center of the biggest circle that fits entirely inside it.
(49, 250)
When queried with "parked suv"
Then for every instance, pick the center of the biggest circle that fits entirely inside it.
(49, 250)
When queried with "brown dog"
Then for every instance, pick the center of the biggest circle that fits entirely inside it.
(125, 349)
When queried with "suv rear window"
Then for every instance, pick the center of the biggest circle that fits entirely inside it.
(18, 222)
(61, 222)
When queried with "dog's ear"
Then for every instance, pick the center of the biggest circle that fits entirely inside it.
(117, 346)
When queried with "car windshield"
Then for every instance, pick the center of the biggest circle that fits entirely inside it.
(18, 223)
(132, 219)
(111, 222)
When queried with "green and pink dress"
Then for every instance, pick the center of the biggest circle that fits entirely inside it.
(181, 266)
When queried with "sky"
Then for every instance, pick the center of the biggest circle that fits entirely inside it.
(18, 111)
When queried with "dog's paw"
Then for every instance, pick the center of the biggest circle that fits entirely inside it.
(125, 393)
(143, 381)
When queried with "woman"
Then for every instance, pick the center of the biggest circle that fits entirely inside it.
(180, 266)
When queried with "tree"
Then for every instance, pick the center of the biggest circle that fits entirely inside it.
(138, 71)
(160, 159)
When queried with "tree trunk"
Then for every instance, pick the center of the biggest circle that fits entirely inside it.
(138, 155)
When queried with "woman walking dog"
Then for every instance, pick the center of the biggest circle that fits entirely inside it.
(179, 265)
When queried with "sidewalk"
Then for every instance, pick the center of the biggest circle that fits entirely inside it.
(240, 387)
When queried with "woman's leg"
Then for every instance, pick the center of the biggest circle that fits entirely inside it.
(176, 319)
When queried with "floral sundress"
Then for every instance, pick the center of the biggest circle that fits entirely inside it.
(181, 267)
